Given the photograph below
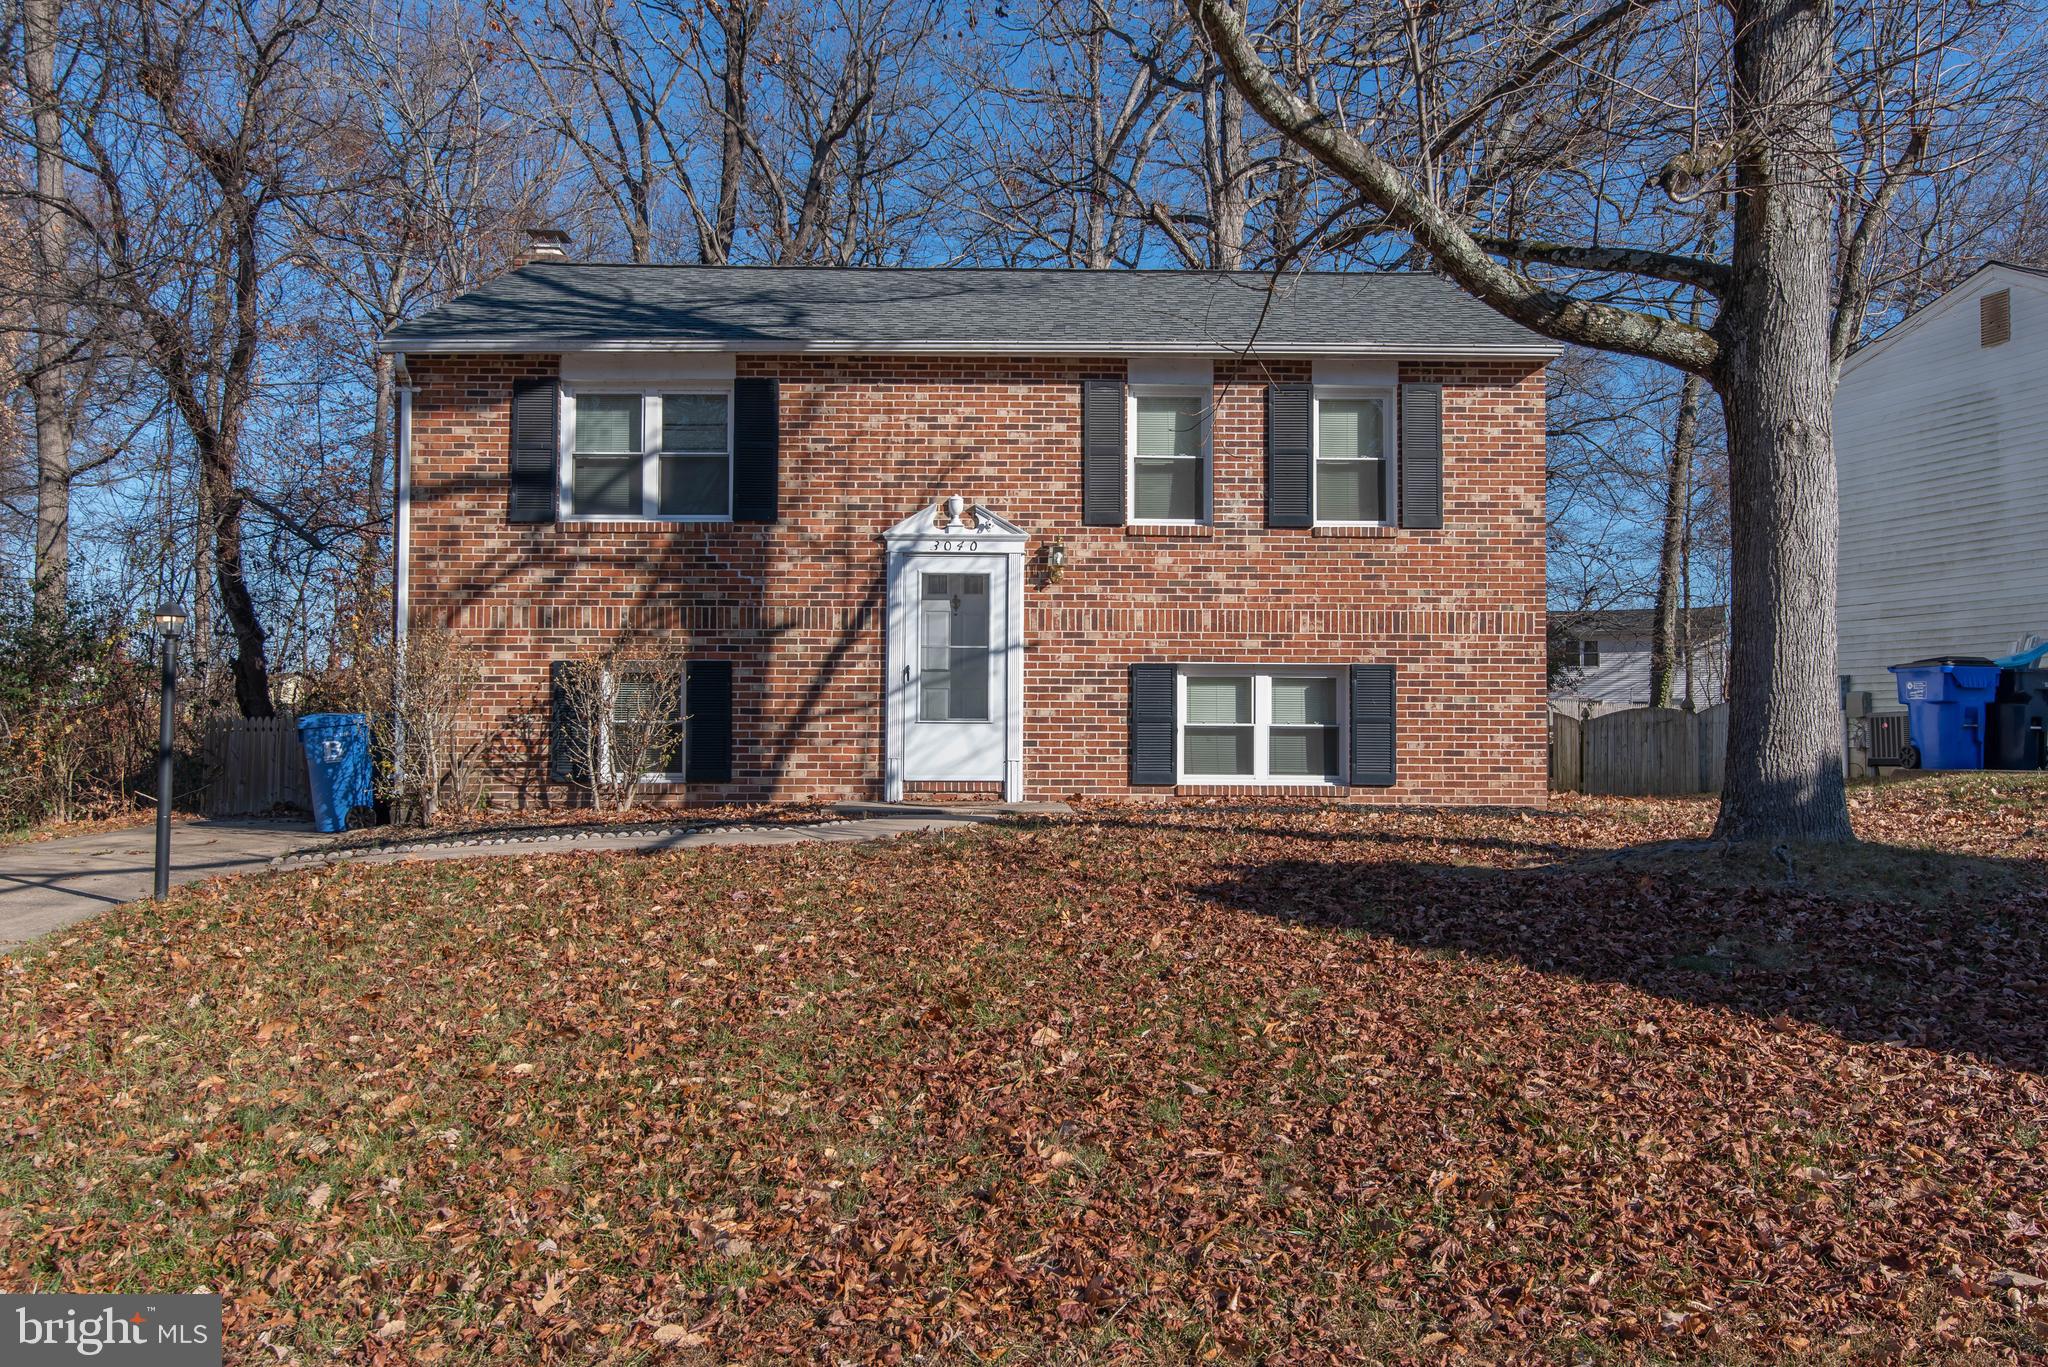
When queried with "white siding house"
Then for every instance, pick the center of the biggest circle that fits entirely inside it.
(1603, 661)
(1941, 440)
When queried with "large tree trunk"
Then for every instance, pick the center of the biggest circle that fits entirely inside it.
(1664, 633)
(49, 386)
(1784, 770)
(224, 533)
(738, 24)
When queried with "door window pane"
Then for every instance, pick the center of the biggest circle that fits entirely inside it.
(693, 422)
(694, 486)
(953, 631)
(607, 485)
(608, 423)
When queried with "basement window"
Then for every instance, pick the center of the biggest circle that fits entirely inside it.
(1239, 726)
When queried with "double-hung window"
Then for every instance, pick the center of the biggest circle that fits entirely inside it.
(1247, 726)
(1354, 467)
(664, 455)
(1169, 477)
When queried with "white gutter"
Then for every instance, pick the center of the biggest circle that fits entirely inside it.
(771, 347)
(402, 555)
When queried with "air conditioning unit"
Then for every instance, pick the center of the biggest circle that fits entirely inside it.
(1889, 738)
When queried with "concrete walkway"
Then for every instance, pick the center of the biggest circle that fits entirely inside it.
(47, 885)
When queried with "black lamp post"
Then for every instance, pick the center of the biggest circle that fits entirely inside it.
(169, 621)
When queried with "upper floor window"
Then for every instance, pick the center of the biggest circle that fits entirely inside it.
(1169, 478)
(1354, 468)
(650, 454)
(1580, 654)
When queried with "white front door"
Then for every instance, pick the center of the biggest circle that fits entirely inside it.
(954, 688)
(956, 704)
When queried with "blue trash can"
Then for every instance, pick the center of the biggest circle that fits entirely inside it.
(338, 766)
(1945, 701)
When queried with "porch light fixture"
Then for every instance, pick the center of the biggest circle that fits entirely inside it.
(1052, 561)
(169, 620)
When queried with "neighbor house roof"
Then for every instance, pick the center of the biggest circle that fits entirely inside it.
(2036, 276)
(562, 306)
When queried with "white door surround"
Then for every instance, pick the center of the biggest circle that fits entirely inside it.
(954, 681)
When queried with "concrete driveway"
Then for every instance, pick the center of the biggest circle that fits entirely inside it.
(46, 885)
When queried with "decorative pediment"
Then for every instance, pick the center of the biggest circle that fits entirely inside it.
(954, 521)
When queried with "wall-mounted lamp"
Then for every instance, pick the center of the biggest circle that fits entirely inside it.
(1052, 561)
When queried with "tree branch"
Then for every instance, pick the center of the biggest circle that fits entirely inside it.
(1852, 290)
(1605, 326)
(1711, 276)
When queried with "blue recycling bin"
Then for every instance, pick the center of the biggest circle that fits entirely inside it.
(337, 765)
(1946, 699)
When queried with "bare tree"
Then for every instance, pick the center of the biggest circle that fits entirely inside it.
(190, 135)
(1475, 161)
(418, 695)
(1064, 156)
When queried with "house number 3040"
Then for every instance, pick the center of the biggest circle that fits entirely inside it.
(955, 546)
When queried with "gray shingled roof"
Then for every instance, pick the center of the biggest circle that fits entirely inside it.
(560, 306)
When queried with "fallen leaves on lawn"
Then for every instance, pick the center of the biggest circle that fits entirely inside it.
(1216, 1082)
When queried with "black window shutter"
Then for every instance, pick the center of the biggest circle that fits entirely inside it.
(1102, 453)
(707, 726)
(536, 447)
(756, 451)
(1288, 456)
(1152, 720)
(565, 758)
(1372, 726)
(1422, 455)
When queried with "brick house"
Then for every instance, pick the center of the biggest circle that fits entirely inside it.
(992, 533)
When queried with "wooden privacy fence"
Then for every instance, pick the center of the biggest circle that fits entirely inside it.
(253, 767)
(1643, 752)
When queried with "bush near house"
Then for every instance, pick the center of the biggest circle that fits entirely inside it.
(77, 715)
(1212, 1083)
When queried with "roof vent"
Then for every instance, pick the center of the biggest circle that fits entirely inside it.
(545, 244)
(1994, 318)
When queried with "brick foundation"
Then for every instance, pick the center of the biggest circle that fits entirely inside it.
(798, 607)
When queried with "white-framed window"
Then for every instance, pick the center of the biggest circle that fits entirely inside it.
(1169, 458)
(1580, 654)
(635, 454)
(1354, 458)
(639, 703)
(1240, 725)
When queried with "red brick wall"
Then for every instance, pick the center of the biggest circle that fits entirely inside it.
(868, 440)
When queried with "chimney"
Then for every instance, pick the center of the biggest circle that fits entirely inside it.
(542, 245)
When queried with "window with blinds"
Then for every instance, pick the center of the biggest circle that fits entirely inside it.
(1260, 727)
(1353, 474)
(1169, 457)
